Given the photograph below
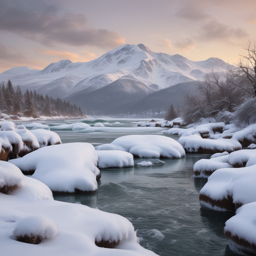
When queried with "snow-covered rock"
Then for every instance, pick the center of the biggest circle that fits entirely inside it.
(46, 138)
(145, 163)
(114, 158)
(252, 146)
(99, 125)
(205, 167)
(225, 153)
(241, 230)
(149, 146)
(246, 136)
(65, 168)
(196, 144)
(11, 177)
(81, 230)
(7, 126)
(34, 229)
(229, 188)
(241, 157)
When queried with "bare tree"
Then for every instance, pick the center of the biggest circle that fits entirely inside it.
(244, 76)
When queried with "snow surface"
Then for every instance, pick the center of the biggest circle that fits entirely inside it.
(145, 163)
(13, 138)
(243, 224)
(27, 136)
(63, 168)
(7, 126)
(242, 156)
(193, 142)
(114, 158)
(247, 133)
(252, 146)
(35, 226)
(210, 165)
(236, 182)
(225, 153)
(10, 175)
(148, 146)
(78, 225)
(46, 137)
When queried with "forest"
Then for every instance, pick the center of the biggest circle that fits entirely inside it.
(32, 104)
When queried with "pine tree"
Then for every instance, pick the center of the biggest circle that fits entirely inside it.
(171, 114)
(9, 97)
(17, 102)
(28, 106)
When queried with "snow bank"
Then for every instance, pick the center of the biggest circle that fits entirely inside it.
(74, 127)
(114, 158)
(225, 153)
(246, 136)
(11, 177)
(241, 157)
(36, 126)
(99, 125)
(241, 230)
(148, 146)
(46, 138)
(7, 126)
(63, 168)
(229, 188)
(80, 228)
(196, 144)
(205, 167)
(34, 229)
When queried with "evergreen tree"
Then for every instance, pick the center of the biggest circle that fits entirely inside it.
(171, 114)
(17, 103)
(28, 106)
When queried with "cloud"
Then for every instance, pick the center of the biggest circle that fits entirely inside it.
(213, 30)
(251, 19)
(47, 26)
(84, 56)
(8, 56)
(192, 14)
(186, 44)
(165, 43)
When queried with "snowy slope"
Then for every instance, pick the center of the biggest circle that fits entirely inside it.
(135, 62)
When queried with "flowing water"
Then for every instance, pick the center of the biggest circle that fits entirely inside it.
(161, 201)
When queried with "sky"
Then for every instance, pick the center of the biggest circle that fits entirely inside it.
(35, 33)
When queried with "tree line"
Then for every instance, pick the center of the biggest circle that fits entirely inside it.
(230, 98)
(33, 104)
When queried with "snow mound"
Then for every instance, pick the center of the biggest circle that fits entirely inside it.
(241, 157)
(114, 158)
(246, 136)
(46, 138)
(205, 167)
(99, 125)
(65, 168)
(34, 229)
(229, 188)
(7, 126)
(11, 177)
(252, 146)
(241, 229)
(74, 127)
(145, 163)
(36, 126)
(196, 144)
(225, 153)
(149, 146)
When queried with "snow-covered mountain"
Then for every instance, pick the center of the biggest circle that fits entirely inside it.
(128, 66)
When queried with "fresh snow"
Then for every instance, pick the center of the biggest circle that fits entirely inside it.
(235, 182)
(114, 158)
(194, 142)
(10, 175)
(35, 226)
(7, 126)
(149, 146)
(63, 168)
(46, 138)
(145, 163)
(31, 209)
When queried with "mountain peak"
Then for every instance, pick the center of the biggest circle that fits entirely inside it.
(144, 48)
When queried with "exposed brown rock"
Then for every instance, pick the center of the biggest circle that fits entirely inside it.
(248, 247)
(205, 134)
(225, 203)
(4, 153)
(77, 191)
(207, 173)
(227, 137)
(176, 123)
(218, 129)
(206, 150)
(8, 189)
(32, 239)
(245, 142)
(107, 243)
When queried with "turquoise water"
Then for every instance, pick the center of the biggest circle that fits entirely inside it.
(161, 201)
